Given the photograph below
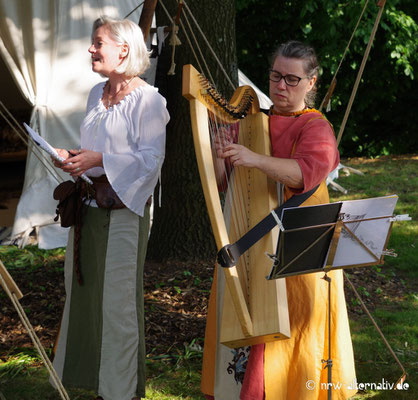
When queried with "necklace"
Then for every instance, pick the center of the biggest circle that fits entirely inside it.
(295, 113)
(111, 98)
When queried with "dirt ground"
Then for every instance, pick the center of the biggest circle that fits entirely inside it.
(176, 298)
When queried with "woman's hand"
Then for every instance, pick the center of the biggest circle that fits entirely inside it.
(81, 161)
(223, 138)
(284, 170)
(241, 156)
(62, 153)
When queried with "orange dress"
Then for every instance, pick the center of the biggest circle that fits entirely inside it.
(292, 368)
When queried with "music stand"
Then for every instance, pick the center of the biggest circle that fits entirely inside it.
(333, 236)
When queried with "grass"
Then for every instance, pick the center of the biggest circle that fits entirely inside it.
(386, 177)
(168, 378)
(396, 315)
(177, 377)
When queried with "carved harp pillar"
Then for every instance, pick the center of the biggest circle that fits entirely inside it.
(254, 309)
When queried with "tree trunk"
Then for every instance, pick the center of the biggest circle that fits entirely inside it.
(181, 228)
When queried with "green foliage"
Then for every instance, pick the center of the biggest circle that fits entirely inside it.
(18, 364)
(382, 120)
(181, 357)
(31, 256)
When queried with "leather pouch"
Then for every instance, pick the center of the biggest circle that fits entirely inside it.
(67, 193)
(105, 196)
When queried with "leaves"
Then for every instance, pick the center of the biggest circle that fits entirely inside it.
(382, 117)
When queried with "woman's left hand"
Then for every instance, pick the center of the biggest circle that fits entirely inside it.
(241, 156)
(81, 161)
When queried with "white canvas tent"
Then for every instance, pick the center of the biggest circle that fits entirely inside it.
(264, 100)
(44, 45)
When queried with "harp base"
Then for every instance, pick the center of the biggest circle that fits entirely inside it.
(251, 341)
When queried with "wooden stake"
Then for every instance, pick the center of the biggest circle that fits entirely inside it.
(9, 282)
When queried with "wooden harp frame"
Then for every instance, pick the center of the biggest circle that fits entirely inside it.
(254, 309)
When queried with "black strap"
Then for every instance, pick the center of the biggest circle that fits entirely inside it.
(229, 254)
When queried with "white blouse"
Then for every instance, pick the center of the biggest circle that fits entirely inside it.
(131, 136)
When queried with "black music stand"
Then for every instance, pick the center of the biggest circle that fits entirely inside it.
(333, 236)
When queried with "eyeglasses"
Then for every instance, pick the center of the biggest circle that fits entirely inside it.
(290, 80)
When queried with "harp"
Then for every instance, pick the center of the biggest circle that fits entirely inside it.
(254, 309)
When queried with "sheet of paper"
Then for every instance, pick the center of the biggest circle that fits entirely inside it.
(40, 141)
(371, 233)
(44, 145)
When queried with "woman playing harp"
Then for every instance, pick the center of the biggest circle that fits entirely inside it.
(304, 152)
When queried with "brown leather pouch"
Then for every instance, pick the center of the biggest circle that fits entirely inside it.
(105, 196)
(68, 194)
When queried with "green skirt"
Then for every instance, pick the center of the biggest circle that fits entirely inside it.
(101, 343)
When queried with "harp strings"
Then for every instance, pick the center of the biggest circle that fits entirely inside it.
(232, 184)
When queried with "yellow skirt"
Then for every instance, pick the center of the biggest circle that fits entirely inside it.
(293, 368)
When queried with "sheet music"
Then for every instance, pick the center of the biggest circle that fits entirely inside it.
(372, 234)
(44, 145)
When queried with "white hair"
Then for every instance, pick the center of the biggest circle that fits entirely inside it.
(127, 32)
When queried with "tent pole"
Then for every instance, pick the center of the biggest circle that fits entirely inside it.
(145, 19)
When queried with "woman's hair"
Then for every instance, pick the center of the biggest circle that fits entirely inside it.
(124, 31)
(300, 51)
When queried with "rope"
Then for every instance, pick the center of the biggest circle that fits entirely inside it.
(166, 12)
(363, 306)
(332, 85)
(190, 44)
(360, 73)
(185, 33)
(187, 37)
(127, 15)
(37, 343)
(174, 41)
(209, 46)
(197, 43)
(23, 135)
(208, 73)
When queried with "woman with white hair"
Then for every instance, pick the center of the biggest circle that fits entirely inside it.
(101, 343)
